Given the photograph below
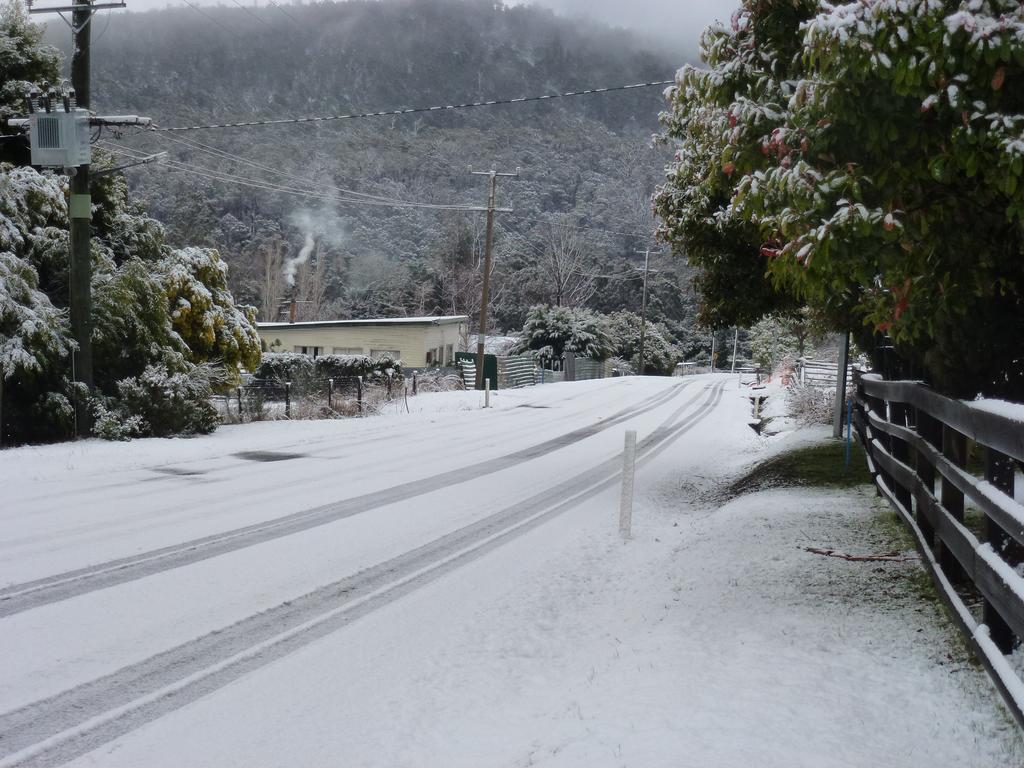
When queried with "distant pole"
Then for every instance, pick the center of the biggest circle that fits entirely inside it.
(712, 352)
(643, 308)
(735, 343)
(486, 290)
(844, 356)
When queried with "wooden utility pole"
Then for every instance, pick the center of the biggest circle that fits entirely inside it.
(80, 203)
(486, 290)
(643, 308)
(735, 344)
(80, 210)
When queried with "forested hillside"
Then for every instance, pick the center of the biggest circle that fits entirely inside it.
(581, 205)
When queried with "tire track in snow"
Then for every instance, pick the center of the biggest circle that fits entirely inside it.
(264, 484)
(327, 448)
(33, 594)
(54, 731)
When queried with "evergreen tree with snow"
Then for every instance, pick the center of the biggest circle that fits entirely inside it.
(865, 159)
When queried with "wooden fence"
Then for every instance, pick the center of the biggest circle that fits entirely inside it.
(969, 528)
(819, 373)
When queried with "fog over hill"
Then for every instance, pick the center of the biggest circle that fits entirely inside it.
(587, 164)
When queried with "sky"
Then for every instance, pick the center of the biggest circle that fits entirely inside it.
(681, 21)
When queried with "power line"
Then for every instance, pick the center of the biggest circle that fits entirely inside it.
(224, 155)
(282, 10)
(246, 181)
(250, 13)
(413, 110)
(201, 12)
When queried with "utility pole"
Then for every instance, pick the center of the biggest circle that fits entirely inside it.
(79, 203)
(643, 307)
(735, 343)
(486, 290)
(80, 211)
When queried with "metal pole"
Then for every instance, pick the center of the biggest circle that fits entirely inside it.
(80, 210)
(837, 416)
(712, 352)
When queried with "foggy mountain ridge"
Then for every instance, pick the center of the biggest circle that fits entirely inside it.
(587, 163)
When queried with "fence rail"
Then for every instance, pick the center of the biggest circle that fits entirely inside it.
(916, 442)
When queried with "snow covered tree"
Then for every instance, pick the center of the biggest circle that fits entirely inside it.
(203, 311)
(553, 331)
(660, 352)
(25, 63)
(875, 150)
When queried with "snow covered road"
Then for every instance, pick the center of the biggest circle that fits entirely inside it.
(371, 592)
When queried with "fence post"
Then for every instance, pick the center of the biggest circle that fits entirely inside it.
(954, 448)
(999, 470)
(359, 393)
(238, 391)
(414, 383)
(628, 473)
(288, 399)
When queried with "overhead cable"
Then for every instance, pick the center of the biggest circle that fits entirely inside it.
(412, 110)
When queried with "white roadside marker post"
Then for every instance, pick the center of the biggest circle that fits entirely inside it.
(487, 393)
(628, 471)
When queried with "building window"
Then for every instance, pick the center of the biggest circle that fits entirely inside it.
(449, 355)
(430, 357)
(314, 351)
(348, 350)
(392, 353)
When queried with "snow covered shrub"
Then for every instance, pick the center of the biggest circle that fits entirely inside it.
(810, 405)
(115, 425)
(553, 331)
(280, 367)
(660, 353)
(308, 375)
(169, 403)
(438, 381)
(203, 311)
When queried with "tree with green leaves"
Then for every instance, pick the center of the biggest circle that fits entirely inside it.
(550, 332)
(660, 352)
(865, 159)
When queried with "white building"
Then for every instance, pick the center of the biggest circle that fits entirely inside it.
(416, 341)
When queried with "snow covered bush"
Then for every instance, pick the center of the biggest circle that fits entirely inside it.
(810, 405)
(308, 374)
(660, 353)
(866, 159)
(161, 403)
(113, 425)
(203, 311)
(553, 331)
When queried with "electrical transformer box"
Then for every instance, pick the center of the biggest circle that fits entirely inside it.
(60, 139)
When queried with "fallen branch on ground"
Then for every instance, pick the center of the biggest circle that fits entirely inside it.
(894, 557)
